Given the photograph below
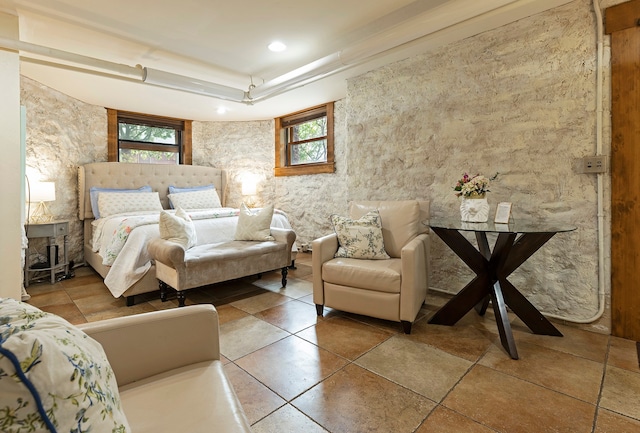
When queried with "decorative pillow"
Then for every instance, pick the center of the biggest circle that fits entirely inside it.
(202, 199)
(94, 192)
(254, 225)
(178, 190)
(361, 238)
(111, 203)
(53, 376)
(178, 228)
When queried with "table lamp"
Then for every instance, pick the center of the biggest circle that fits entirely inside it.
(40, 192)
(249, 190)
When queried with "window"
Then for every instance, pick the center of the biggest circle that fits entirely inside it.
(143, 138)
(304, 142)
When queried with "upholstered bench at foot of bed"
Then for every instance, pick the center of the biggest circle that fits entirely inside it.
(213, 263)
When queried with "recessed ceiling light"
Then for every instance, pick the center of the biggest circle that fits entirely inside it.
(277, 46)
(221, 110)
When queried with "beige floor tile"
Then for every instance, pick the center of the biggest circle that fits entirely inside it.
(575, 341)
(291, 316)
(229, 313)
(421, 368)
(243, 336)
(462, 339)
(443, 420)
(336, 334)
(287, 419)
(120, 312)
(621, 392)
(610, 422)
(624, 354)
(256, 399)
(46, 299)
(300, 365)
(559, 371)
(92, 288)
(69, 312)
(511, 405)
(295, 289)
(98, 303)
(357, 401)
(260, 302)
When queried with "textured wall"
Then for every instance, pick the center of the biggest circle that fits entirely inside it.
(519, 100)
(62, 133)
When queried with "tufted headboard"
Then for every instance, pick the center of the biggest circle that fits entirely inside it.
(159, 177)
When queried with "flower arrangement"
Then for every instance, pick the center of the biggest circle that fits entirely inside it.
(473, 186)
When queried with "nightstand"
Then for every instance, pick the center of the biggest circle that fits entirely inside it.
(48, 230)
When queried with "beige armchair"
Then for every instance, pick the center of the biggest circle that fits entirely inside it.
(390, 289)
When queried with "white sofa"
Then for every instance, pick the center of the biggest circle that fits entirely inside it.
(168, 369)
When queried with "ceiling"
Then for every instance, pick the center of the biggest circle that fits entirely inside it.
(98, 51)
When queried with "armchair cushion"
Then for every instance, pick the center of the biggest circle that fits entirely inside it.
(360, 238)
(379, 275)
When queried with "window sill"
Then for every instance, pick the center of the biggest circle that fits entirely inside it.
(306, 169)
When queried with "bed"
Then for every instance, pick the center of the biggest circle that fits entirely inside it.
(124, 262)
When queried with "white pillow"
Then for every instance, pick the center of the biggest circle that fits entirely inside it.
(254, 225)
(111, 203)
(54, 374)
(361, 238)
(178, 228)
(202, 199)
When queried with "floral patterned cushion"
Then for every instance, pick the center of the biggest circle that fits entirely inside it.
(361, 238)
(53, 377)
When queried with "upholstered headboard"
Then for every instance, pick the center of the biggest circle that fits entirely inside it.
(159, 177)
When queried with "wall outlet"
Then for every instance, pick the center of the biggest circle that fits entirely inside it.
(594, 164)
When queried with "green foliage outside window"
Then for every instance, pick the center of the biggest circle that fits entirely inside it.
(304, 149)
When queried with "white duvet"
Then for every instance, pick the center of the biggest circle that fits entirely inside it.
(121, 240)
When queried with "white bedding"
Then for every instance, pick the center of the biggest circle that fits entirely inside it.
(121, 240)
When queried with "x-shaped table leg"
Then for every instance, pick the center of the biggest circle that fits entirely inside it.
(492, 269)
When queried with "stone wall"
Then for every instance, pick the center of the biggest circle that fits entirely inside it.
(519, 100)
(61, 134)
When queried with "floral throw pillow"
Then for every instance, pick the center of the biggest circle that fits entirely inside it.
(361, 238)
(53, 377)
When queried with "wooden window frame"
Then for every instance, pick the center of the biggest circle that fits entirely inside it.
(281, 168)
(113, 117)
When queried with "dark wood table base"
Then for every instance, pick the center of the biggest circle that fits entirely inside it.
(492, 269)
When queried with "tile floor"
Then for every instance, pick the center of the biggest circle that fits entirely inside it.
(295, 372)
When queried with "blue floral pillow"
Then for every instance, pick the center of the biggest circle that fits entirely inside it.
(361, 238)
(53, 377)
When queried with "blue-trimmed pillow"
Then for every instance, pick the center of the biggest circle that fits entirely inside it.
(53, 376)
(178, 190)
(94, 191)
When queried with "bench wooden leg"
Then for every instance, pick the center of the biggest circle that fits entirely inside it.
(285, 271)
(129, 300)
(181, 298)
(319, 309)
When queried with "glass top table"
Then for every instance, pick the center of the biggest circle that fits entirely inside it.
(517, 226)
(515, 243)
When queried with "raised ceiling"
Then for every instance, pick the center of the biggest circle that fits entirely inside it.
(225, 43)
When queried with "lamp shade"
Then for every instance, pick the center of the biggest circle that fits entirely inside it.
(42, 191)
(249, 186)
